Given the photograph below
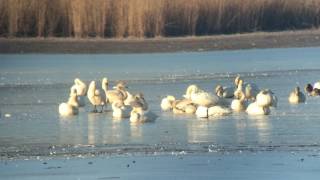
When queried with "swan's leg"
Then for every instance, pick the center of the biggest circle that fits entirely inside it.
(101, 108)
(94, 109)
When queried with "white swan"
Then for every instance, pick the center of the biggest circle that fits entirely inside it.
(167, 102)
(316, 85)
(80, 86)
(224, 92)
(238, 93)
(80, 98)
(183, 106)
(138, 116)
(71, 107)
(238, 104)
(255, 109)
(251, 91)
(218, 111)
(95, 97)
(190, 90)
(140, 112)
(266, 98)
(120, 110)
(119, 92)
(199, 97)
(296, 96)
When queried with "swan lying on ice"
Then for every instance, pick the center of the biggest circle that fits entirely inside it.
(119, 110)
(140, 112)
(167, 102)
(214, 111)
(71, 107)
(200, 97)
(224, 92)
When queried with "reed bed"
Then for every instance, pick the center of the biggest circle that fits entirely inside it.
(152, 18)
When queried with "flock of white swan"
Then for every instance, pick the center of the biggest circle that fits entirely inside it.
(123, 103)
(243, 96)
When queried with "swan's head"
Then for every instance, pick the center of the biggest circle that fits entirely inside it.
(92, 85)
(264, 92)
(308, 88)
(219, 89)
(139, 95)
(76, 81)
(105, 83)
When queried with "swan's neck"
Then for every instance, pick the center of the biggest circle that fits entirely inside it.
(73, 100)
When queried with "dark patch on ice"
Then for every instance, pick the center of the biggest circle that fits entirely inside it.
(53, 167)
(277, 164)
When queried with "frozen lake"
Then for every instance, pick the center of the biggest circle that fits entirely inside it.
(33, 85)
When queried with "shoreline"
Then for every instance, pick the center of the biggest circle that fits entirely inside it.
(256, 40)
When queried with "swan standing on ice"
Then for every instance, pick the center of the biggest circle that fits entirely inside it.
(71, 107)
(119, 93)
(296, 96)
(95, 97)
(81, 89)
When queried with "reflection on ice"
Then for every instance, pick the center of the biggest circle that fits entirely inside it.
(263, 127)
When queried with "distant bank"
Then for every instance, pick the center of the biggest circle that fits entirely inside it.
(305, 38)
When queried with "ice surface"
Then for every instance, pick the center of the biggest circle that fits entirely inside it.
(32, 86)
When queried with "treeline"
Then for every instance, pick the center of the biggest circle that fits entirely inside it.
(152, 18)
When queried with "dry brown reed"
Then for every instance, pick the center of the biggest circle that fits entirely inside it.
(152, 18)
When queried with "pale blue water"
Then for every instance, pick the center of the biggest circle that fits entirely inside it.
(33, 85)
